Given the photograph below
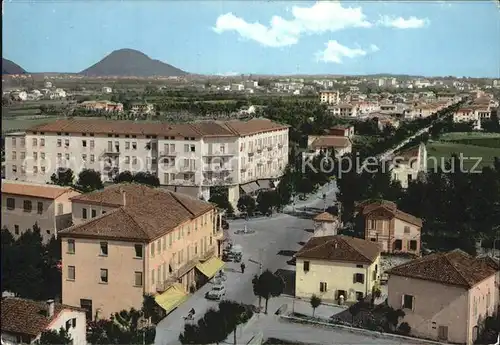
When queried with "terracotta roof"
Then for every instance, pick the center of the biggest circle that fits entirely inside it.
(324, 217)
(44, 191)
(331, 141)
(452, 268)
(148, 213)
(390, 207)
(28, 317)
(197, 129)
(340, 248)
(253, 126)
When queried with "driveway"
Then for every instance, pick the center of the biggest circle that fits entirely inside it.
(272, 241)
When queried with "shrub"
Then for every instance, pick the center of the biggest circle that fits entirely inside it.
(404, 328)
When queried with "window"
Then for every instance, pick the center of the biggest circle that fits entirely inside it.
(27, 206)
(84, 143)
(14, 142)
(71, 246)
(42, 155)
(158, 246)
(35, 156)
(39, 207)
(371, 224)
(322, 287)
(408, 301)
(170, 240)
(152, 249)
(23, 155)
(94, 213)
(14, 155)
(134, 160)
(134, 146)
(104, 275)
(359, 278)
(84, 213)
(59, 142)
(398, 245)
(138, 278)
(84, 157)
(413, 245)
(443, 333)
(71, 272)
(92, 144)
(152, 276)
(14, 169)
(35, 142)
(16, 229)
(373, 239)
(42, 142)
(407, 229)
(92, 158)
(359, 296)
(11, 203)
(127, 145)
(138, 250)
(164, 243)
(127, 159)
(306, 266)
(359, 266)
(66, 142)
(104, 248)
(73, 322)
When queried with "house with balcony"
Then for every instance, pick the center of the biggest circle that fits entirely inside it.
(445, 296)
(129, 240)
(24, 320)
(24, 204)
(189, 158)
(337, 268)
(392, 229)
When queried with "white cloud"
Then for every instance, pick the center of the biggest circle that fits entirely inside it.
(402, 23)
(336, 52)
(323, 16)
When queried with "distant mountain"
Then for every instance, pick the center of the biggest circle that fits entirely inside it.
(129, 63)
(9, 67)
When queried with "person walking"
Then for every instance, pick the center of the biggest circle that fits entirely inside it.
(242, 267)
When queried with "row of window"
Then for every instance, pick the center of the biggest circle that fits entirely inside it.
(103, 248)
(27, 205)
(22, 141)
(104, 276)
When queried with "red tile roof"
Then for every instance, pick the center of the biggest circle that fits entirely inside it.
(28, 317)
(368, 207)
(148, 213)
(44, 191)
(324, 217)
(340, 248)
(452, 268)
(331, 141)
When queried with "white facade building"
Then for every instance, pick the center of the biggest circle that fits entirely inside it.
(329, 97)
(243, 156)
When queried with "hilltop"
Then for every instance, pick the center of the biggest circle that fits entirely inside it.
(9, 67)
(129, 63)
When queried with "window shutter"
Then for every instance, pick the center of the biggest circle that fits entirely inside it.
(402, 301)
(354, 278)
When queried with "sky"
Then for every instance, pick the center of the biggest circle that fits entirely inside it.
(429, 38)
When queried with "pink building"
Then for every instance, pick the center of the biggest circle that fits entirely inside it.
(445, 296)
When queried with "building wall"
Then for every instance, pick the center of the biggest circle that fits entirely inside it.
(483, 302)
(337, 275)
(325, 228)
(77, 212)
(184, 245)
(77, 333)
(119, 292)
(412, 233)
(47, 221)
(441, 305)
(15, 153)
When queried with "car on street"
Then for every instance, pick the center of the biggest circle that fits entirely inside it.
(217, 292)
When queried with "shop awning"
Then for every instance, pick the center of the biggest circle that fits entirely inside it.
(172, 297)
(210, 267)
(265, 184)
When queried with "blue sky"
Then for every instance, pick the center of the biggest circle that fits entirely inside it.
(433, 38)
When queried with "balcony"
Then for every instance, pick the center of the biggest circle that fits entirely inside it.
(219, 154)
(218, 181)
(217, 167)
(280, 145)
(179, 182)
(259, 149)
(187, 169)
(167, 154)
(208, 254)
(110, 152)
(245, 166)
(251, 153)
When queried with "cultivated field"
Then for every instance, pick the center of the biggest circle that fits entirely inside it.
(470, 145)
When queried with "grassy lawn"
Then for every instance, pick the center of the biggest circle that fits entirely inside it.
(440, 151)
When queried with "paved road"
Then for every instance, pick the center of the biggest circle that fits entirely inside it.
(270, 236)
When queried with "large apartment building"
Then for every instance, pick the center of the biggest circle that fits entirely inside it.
(188, 158)
(129, 240)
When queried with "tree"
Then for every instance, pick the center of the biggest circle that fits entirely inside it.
(315, 302)
(220, 199)
(235, 314)
(61, 337)
(246, 204)
(266, 201)
(150, 309)
(89, 180)
(268, 285)
(63, 177)
(124, 176)
(146, 178)
(392, 317)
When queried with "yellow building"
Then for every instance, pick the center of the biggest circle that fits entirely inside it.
(129, 240)
(334, 266)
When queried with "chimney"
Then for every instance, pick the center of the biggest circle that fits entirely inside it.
(50, 307)
(124, 198)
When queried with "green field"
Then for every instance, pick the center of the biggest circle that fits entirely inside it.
(471, 146)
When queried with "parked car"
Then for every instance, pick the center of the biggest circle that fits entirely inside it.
(217, 292)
